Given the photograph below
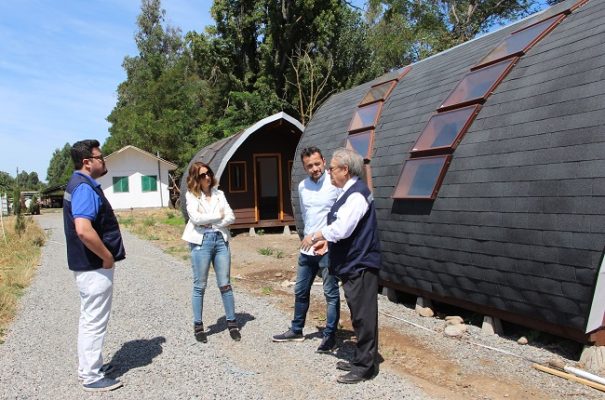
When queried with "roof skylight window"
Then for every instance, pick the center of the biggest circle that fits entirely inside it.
(477, 85)
(445, 130)
(421, 177)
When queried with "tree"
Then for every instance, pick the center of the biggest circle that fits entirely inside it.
(7, 182)
(158, 107)
(404, 31)
(60, 166)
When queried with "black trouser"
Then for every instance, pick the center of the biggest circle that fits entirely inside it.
(361, 294)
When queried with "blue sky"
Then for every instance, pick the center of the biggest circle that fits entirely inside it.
(60, 65)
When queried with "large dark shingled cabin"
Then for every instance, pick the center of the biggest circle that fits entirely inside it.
(253, 170)
(487, 164)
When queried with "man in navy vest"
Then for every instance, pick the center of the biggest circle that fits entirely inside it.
(94, 244)
(354, 250)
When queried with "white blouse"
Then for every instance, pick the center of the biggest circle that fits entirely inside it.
(205, 215)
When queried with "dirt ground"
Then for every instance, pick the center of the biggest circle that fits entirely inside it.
(265, 265)
(407, 355)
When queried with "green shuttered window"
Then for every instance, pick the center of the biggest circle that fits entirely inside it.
(149, 183)
(120, 184)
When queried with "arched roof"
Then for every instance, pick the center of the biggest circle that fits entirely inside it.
(518, 224)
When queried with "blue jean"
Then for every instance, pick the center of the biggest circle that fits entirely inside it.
(213, 250)
(308, 267)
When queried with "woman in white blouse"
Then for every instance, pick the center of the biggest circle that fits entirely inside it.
(208, 236)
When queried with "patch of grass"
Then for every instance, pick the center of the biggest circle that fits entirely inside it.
(149, 221)
(266, 251)
(19, 255)
(267, 290)
(126, 221)
(260, 232)
(174, 221)
(279, 254)
(152, 237)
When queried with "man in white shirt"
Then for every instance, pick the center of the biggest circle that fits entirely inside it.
(352, 237)
(317, 194)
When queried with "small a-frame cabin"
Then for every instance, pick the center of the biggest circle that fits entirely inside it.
(487, 165)
(253, 170)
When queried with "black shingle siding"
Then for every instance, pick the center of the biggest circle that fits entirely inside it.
(519, 222)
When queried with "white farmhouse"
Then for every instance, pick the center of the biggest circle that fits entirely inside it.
(136, 179)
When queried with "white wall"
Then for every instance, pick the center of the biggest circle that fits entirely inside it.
(134, 165)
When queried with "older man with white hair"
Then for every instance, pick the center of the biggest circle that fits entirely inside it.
(354, 252)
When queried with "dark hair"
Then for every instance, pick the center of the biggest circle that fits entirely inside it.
(193, 181)
(308, 151)
(82, 150)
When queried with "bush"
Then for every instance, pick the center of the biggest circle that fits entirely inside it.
(20, 224)
(34, 207)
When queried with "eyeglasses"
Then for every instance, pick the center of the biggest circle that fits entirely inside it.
(205, 175)
(100, 158)
(333, 168)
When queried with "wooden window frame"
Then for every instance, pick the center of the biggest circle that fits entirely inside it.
(386, 94)
(379, 105)
(486, 61)
(368, 155)
(230, 164)
(115, 179)
(508, 64)
(447, 158)
(290, 166)
(474, 110)
(155, 177)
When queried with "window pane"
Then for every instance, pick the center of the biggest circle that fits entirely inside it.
(149, 183)
(365, 117)
(237, 176)
(360, 142)
(378, 92)
(521, 41)
(478, 84)
(120, 184)
(397, 74)
(421, 177)
(444, 130)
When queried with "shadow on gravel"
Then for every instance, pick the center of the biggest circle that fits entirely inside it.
(136, 353)
(221, 323)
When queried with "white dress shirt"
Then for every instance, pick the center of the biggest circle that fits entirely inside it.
(316, 199)
(348, 215)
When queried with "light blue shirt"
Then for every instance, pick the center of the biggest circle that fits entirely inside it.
(316, 199)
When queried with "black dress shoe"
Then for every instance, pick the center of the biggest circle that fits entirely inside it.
(343, 365)
(351, 377)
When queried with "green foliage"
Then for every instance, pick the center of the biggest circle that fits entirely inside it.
(60, 167)
(404, 31)
(17, 202)
(34, 207)
(266, 251)
(265, 56)
(6, 182)
(20, 224)
(149, 221)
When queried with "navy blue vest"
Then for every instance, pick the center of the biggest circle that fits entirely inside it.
(79, 258)
(350, 256)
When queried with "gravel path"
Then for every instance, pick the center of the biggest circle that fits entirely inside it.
(151, 342)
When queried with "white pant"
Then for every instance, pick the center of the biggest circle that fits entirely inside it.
(96, 290)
